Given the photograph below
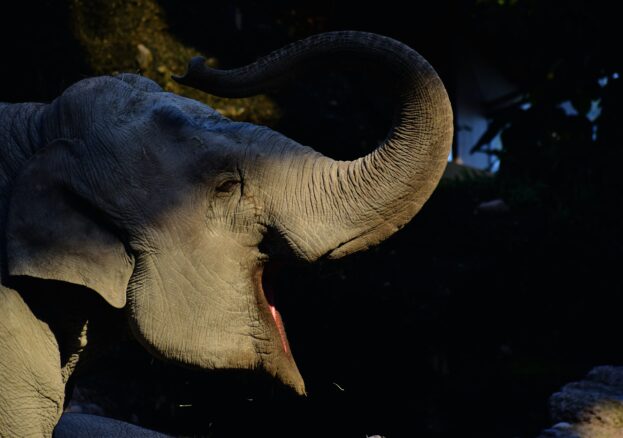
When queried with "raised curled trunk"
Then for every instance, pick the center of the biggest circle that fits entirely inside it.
(351, 205)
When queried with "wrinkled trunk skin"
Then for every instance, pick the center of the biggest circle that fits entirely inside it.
(339, 207)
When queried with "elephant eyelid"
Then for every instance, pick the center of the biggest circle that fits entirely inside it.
(228, 186)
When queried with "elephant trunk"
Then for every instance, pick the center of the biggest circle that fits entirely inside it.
(351, 205)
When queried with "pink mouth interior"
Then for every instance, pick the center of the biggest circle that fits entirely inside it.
(270, 297)
(282, 333)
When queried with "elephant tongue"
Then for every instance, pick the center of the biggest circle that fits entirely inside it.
(270, 297)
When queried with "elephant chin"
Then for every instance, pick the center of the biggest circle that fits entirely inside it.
(212, 329)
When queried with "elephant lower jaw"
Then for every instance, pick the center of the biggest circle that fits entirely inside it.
(280, 362)
(232, 326)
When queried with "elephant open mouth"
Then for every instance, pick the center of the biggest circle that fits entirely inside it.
(265, 281)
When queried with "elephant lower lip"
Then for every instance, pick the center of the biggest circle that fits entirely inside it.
(265, 285)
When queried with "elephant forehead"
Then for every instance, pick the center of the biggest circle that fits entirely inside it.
(173, 110)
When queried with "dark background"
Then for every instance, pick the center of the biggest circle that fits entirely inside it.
(464, 322)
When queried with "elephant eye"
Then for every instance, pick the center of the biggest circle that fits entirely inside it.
(228, 186)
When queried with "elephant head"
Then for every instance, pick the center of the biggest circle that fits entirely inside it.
(171, 211)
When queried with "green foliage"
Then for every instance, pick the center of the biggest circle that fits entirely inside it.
(558, 54)
(120, 36)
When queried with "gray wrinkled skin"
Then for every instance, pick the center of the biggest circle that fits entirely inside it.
(118, 195)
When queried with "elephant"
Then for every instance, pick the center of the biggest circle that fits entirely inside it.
(125, 205)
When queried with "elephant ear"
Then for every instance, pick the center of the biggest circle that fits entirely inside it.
(54, 232)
